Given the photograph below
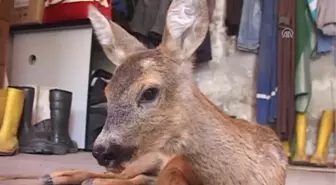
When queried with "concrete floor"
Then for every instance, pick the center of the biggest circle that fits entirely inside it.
(39, 165)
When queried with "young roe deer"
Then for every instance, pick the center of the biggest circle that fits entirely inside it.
(156, 112)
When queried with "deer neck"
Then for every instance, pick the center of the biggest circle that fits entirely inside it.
(204, 131)
(206, 107)
(195, 118)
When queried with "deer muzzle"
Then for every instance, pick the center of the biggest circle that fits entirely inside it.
(113, 155)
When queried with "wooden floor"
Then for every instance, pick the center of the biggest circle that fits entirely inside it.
(39, 165)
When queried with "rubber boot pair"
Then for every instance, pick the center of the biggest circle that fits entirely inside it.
(49, 136)
(32, 139)
(319, 158)
(11, 106)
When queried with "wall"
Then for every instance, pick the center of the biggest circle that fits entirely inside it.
(229, 83)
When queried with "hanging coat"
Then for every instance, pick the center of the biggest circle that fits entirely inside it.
(266, 103)
(286, 70)
(305, 44)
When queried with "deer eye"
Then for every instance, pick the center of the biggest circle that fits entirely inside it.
(149, 95)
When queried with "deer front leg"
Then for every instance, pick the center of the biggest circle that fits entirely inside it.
(134, 171)
(138, 180)
(72, 177)
(150, 162)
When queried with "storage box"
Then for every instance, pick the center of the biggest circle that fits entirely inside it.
(5, 9)
(27, 12)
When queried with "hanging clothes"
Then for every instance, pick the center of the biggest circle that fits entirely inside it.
(334, 50)
(266, 103)
(149, 17)
(324, 42)
(119, 5)
(286, 70)
(250, 23)
(233, 16)
(325, 18)
(313, 8)
(305, 44)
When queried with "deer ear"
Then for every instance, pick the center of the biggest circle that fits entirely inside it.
(115, 41)
(187, 23)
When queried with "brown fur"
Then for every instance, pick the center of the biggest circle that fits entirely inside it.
(178, 172)
(181, 121)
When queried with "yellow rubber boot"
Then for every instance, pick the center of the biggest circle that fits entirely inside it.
(3, 98)
(300, 156)
(286, 147)
(11, 121)
(319, 158)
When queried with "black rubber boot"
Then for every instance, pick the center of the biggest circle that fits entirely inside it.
(32, 139)
(60, 107)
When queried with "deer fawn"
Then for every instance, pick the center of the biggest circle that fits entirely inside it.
(156, 112)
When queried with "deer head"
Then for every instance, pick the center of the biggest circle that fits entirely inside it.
(150, 87)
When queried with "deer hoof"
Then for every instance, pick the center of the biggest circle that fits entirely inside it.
(88, 182)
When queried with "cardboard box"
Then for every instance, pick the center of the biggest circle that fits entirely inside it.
(27, 12)
(5, 9)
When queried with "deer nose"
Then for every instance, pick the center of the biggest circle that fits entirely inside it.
(113, 155)
(103, 156)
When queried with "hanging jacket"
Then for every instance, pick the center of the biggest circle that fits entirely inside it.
(250, 23)
(286, 70)
(266, 97)
(305, 44)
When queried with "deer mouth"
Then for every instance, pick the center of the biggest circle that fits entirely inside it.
(115, 169)
(119, 156)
